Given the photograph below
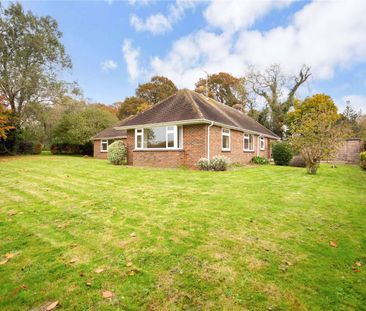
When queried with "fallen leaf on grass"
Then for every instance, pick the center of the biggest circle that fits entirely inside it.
(9, 255)
(129, 264)
(107, 294)
(356, 270)
(73, 245)
(133, 234)
(12, 213)
(88, 284)
(81, 274)
(3, 262)
(99, 270)
(52, 306)
(23, 286)
(73, 260)
(358, 263)
(333, 243)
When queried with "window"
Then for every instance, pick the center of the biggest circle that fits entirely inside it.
(248, 142)
(104, 144)
(261, 143)
(163, 137)
(225, 140)
(138, 139)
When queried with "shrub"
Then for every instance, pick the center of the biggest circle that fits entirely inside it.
(219, 163)
(117, 153)
(65, 149)
(363, 160)
(203, 164)
(25, 147)
(37, 148)
(297, 161)
(259, 160)
(282, 153)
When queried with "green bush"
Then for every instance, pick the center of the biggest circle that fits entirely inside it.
(203, 164)
(117, 153)
(297, 161)
(219, 163)
(259, 160)
(65, 148)
(282, 153)
(363, 160)
(25, 147)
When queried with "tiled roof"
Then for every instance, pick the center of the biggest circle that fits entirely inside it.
(110, 133)
(190, 106)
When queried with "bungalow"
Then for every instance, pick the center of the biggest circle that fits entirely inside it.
(185, 127)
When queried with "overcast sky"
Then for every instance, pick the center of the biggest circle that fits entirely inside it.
(115, 45)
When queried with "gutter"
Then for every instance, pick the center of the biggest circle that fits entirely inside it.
(208, 140)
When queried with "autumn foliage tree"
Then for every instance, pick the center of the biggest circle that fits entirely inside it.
(5, 123)
(316, 133)
(224, 88)
(132, 106)
(156, 90)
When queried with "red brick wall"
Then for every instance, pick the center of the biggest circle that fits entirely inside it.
(236, 153)
(194, 148)
(96, 149)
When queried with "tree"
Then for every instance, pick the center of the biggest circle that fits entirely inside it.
(132, 106)
(270, 86)
(77, 127)
(156, 90)
(5, 120)
(224, 88)
(316, 132)
(31, 56)
(351, 119)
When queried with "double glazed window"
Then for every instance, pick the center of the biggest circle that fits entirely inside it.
(225, 145)
(248, 142)
(261, 143)
(104, 144)
(163, 137)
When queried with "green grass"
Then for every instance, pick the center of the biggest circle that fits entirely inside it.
(252, 238)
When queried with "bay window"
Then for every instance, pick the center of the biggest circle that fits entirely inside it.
(261, 143)
(225, 134)
(162, 137)
(248, 142)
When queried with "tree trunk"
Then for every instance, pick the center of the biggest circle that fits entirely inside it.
(312, 167)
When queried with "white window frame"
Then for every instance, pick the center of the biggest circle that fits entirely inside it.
(170, 129)
(139, 132)
(227, 134)
(103, 141)
(262, 143)
(247, 136)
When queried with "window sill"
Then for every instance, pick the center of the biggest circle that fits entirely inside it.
(103, 151)
(226, 150)
(249, 151)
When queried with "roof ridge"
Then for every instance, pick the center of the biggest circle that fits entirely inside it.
(194, 104)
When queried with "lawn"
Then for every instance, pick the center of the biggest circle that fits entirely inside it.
(255, 238)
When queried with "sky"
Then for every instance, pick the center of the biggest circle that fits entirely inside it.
(115, 45)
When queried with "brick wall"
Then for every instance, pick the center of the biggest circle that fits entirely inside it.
(194, 147)
(96, 149)
(236, 153)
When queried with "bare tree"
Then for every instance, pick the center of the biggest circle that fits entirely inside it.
(270, 85)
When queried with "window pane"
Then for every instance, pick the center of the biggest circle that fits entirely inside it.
(246, 143)
(155, 137)
(225, 142)
(170, 140)
(138, 141)
(180, 137)
(104, 145)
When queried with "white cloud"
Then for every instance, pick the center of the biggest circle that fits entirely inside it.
(131, 57)
(109, 65)
(235, 15)
(159, 23)
(325, 35)
(156, 24)
(135, 2)
(357, 102)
